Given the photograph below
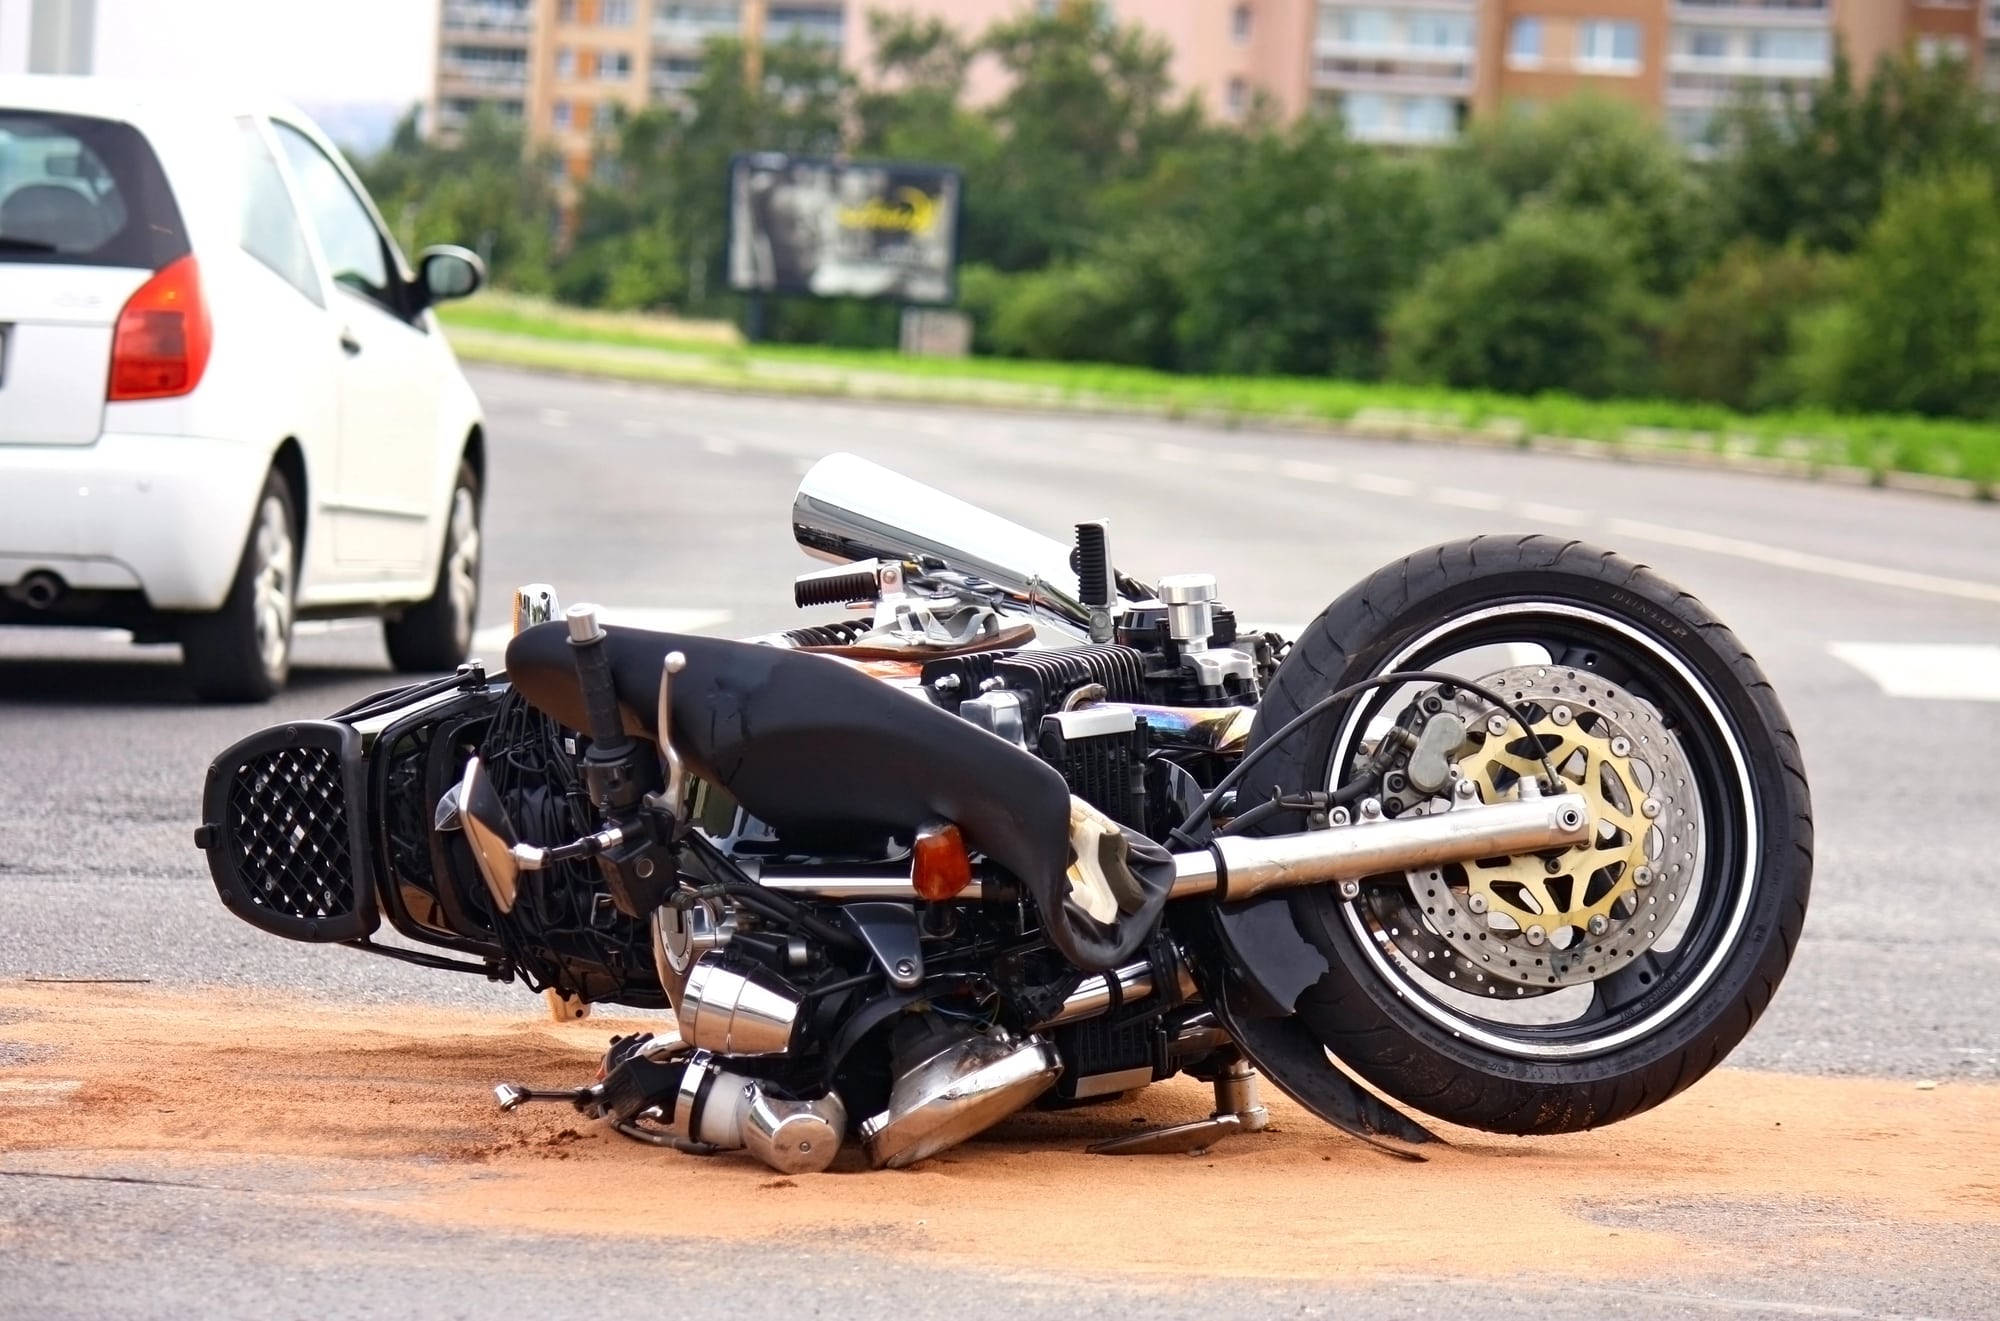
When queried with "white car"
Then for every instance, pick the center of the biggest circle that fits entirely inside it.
(224, 401)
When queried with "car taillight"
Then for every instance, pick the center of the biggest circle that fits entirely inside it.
(163, 337)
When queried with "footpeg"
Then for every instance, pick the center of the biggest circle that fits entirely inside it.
(512, 1096)
(1237, 1110)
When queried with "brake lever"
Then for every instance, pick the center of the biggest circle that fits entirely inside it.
(670, 799)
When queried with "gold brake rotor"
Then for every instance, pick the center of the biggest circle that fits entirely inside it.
(1573, 914)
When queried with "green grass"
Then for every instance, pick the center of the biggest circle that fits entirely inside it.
(523, 332)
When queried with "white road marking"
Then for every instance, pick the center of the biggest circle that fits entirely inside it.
(1105, 442)
(1376, 484)
(718, 444)
(32, 1091)
(1301, 471)
(1560, 515)
(1464, 499)
(491, 642)
(308, 628)
(553, 417)
(932, 426)
(1237, 462)
(1805, 561)
(1176, 454)
(1945, 672)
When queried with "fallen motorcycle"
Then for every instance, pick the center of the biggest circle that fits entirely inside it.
(1515, 831)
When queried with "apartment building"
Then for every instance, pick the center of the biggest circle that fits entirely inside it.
(1407, 72)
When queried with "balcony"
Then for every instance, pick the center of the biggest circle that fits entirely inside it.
(1419, 78)
(1758, 13)
(691, 36)
(510, 75)
(1749, 66)
(468, 18)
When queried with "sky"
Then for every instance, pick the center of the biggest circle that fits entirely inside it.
(315, 52)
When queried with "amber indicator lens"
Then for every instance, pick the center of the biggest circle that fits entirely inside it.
(939, 867)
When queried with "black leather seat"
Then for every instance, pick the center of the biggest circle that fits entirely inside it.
(809, 744)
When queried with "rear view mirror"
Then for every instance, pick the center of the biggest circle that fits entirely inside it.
(490, 833)
(448, 272)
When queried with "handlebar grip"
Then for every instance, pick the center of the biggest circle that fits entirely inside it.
(593, 678)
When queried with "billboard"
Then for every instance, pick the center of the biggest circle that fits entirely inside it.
(840, 229)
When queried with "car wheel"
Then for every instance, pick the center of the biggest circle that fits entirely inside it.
(436, 634)
(243, 652)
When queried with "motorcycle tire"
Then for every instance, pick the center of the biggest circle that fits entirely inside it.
(1661, 1021)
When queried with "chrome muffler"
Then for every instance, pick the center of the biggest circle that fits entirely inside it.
(1238, 867)
(961, 1083)
(733, 1007)
(726, 1110)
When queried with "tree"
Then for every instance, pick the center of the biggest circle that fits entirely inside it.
(1595, 156)
(1088, 105)
(486, 191)
(1729, 338)
(1554, 302)
(1294, 264)
(1917, 326)
(1818, 170)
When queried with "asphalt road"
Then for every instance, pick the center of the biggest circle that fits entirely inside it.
(678, 501)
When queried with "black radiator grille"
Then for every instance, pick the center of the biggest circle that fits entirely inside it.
(1108, 771)
(288, 826)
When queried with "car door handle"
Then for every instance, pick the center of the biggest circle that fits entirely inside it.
(348, 344)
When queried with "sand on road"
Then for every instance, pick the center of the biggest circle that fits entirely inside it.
(390, 1110)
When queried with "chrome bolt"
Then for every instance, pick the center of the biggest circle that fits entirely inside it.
(1561, 715)
(1465, 791)
(1650, 808)
(1553, 866)
(1621, 746)
(905, 968)
(1642, 876)
(1339, 816)
(1371, 809)
(1536, 935)
(1350, 889)
(1599, 925)
(1476, 902)
(1497, 725)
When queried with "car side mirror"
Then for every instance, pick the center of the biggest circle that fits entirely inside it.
(447, 271)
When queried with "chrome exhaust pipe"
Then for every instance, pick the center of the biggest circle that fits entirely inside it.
(1238, 867)
(850, 509)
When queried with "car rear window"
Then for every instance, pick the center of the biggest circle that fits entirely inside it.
(78, 191)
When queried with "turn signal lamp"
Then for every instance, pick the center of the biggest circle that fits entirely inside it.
(160, 348)
(940, 869)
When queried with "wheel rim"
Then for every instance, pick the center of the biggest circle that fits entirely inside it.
(1654, 990)
(272, 585)
(462, 565)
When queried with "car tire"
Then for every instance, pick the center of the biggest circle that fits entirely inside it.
(243, 651)
(435, 634)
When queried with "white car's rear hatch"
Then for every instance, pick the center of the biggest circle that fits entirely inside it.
(85, 219)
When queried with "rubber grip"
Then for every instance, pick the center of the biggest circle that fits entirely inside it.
(1093, 564)
(600, 697)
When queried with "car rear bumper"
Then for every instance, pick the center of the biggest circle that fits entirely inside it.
(165, 515)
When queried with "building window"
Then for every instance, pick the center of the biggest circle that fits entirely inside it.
(1363, 27)
(1932, 49)
(1445, 32)
(566, 11)
(1524, 43)
(1805, 47)
(565, 62)
(1707, 43)
(605, 117)
(1608, 46)
(559, 115)
(1239, 98)
(1239, 24)
(614, 66)
(615, 13)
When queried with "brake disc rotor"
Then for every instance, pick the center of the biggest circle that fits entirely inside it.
(1535, 923)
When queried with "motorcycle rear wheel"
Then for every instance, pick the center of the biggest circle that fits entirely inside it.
(1660, 1022)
